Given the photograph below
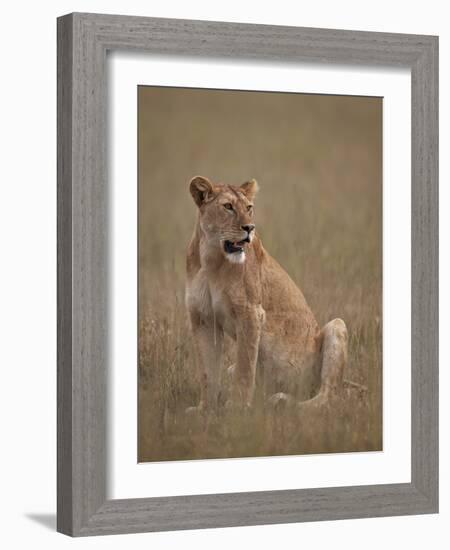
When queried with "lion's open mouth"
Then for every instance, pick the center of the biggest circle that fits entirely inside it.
(231, 247)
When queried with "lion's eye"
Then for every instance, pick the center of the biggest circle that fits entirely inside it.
(228, 206)
(249, 207)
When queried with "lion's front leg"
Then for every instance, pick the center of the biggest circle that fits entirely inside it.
(208, 345)
(248, 333)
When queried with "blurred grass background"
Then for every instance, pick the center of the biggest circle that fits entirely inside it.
(318, 160)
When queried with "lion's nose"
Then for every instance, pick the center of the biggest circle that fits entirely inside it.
(249, 227)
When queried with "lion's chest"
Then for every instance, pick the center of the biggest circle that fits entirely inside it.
(211, 302)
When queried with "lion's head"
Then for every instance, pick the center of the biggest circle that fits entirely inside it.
(226, 215)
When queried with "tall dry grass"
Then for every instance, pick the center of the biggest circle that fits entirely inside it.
(318, 160)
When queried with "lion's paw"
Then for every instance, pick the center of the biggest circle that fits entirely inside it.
(280, 400)
(192, 411)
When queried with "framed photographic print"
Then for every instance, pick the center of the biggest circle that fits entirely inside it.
(247, 274)
(196, 375)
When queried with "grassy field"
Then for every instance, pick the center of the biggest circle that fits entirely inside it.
(318, 160)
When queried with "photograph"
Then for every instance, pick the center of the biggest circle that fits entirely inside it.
(221, 301)
(260, 273)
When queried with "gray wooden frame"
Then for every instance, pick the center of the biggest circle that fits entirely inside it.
(83, 40)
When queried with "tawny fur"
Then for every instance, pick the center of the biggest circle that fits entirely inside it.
(250, 297)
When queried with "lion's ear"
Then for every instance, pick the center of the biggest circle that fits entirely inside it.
(250, 188)
(201, 189)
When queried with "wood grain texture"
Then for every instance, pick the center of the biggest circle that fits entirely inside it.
(64, 251)
(83, 318)
(425, 273)
(257, 508)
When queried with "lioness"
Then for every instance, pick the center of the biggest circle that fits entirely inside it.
(235, 287)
